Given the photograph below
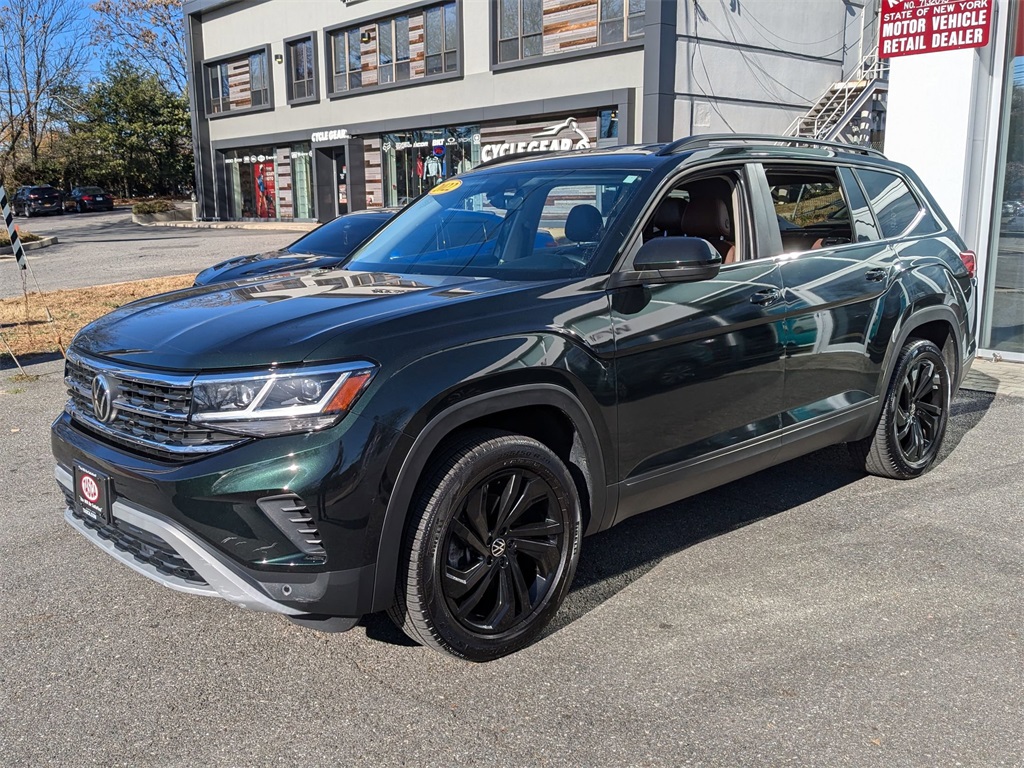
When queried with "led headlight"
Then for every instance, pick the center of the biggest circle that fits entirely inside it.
(280, 401)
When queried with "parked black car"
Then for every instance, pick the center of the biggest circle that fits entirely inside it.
(84, 199)
(33, 201)
(326, 246)
(431, 428)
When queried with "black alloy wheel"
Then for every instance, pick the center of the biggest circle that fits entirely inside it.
(502, 551)
(81, 207)
(914, 416)
(493, 550)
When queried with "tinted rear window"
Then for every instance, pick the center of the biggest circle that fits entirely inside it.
(339, 237)
(894, 204)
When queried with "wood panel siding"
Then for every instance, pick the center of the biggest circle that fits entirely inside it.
(569, 25)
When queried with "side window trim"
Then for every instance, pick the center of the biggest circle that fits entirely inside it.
(766, 237)
(849, 171)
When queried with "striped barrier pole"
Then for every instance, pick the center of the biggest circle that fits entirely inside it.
(12, 230)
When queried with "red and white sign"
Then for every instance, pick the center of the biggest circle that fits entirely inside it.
(926, 26)
(90, 490)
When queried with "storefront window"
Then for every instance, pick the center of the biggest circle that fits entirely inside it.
(1004, 322)
(270, 183)
(414, 161)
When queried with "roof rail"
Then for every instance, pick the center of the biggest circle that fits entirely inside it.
(703, 141)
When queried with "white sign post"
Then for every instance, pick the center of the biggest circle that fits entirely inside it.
(12, 230)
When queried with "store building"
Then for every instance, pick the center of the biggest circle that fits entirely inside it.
(304, 110)
(957, 117)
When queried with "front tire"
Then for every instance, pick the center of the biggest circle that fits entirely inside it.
(491, 548)
(910, 430)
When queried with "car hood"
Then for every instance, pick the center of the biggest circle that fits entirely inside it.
(256, 323)
(244, 267)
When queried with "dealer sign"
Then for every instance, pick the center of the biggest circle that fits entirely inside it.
(927, 26)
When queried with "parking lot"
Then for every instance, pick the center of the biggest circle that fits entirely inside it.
(807, 615)
(96, 248)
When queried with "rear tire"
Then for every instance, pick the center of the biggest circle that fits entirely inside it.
(491, 547)
(910, 430)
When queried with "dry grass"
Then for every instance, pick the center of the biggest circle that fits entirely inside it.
(71, 309)
(23, 235)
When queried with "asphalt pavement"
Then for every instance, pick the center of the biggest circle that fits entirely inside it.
(98, 248)
(807, 615)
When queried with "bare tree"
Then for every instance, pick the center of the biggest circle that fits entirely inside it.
(41, 55)
(149, 33)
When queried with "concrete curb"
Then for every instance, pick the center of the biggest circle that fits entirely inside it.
(7, 251)
(997, 377)
(283, 226)
(177, 214)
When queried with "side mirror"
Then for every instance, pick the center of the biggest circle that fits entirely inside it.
(671, 260)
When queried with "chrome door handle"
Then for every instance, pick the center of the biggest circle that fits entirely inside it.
(766, 296)
(876, 275)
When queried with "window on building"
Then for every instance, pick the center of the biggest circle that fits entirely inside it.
(301, 69)
(520, 29)
(385, 53)
(621, 20)
(402, 48)
(419, 43)
(238, 83)
(521, 33)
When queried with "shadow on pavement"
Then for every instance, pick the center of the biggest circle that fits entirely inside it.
(7, 364)
(614, 559)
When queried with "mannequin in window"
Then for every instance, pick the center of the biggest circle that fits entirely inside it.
(432, 170)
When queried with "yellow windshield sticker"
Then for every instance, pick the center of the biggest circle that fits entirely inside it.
(446, 186)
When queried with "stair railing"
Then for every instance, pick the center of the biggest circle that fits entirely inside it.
(835, 101)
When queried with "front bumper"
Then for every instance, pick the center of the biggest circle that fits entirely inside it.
(204, 515)
(217, 578)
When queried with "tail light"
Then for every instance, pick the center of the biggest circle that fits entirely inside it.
(33, 197)
(87, 197)
(970, 260)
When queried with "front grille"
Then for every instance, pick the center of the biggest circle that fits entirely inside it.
(144, 546)
(151, 411)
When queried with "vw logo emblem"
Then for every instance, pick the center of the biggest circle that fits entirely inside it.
(497, 548)
(103, 395)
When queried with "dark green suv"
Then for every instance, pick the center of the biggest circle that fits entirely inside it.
(530, 353)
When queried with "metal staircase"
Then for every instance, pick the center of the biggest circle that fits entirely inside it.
(853, 111)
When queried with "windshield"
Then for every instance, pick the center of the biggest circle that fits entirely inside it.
(341, 236)
(91, 191)
(519, 225)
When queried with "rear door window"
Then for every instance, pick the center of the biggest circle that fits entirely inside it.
(811, 209)
(894, 204)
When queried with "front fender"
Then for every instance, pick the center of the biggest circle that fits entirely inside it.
(483, 379)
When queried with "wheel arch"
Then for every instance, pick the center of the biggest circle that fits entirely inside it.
(516, 409)
(938, 324)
